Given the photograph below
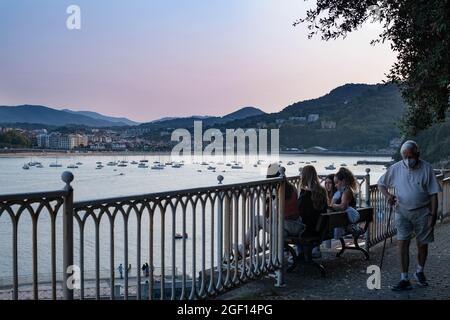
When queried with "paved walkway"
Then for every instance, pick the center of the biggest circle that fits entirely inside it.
(347, 277)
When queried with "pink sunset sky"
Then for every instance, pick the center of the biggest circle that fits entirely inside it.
(146, 59)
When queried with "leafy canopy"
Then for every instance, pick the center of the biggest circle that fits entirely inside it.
(418, 30)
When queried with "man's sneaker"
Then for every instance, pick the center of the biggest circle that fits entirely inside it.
(402, 286)
(420, 278)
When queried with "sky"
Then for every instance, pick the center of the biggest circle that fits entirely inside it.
(147, 59)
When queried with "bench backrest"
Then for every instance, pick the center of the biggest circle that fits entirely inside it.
(329, 221)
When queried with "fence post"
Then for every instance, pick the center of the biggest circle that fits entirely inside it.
(367, 196)
(281, 205)
(67, 177)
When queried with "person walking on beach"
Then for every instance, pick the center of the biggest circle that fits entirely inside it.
(416, 189)
(120, 268)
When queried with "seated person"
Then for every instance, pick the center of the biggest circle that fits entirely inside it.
(312, 202)
(344, 198)
(293, 225)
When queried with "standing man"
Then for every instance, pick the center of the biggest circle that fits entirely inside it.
(416, 189)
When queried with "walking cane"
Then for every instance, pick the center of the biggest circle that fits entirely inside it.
(388, 225)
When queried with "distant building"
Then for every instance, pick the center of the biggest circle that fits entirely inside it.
(313, 117)
(43, 141)
(297, 118)
(328, 124)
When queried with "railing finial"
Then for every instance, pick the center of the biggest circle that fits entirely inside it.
(67, 177)
(367, 170)
(220, 178)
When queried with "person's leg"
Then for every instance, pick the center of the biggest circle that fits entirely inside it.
(404, 233)
(422, 254)
(424, 235)
(403, 250)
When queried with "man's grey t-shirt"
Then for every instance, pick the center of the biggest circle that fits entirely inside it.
(413, 187)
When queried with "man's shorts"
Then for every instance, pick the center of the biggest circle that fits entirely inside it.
(412, 223)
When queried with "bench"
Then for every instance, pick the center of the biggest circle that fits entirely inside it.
(325, 231)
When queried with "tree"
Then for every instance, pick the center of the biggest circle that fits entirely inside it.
(419, 31)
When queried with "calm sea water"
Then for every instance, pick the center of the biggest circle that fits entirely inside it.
(90, 183)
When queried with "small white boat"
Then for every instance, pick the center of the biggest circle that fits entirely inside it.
(330, 167)
(72, 166)
(122, 164)
(211, 168)
(168, 163)
(98, 162)
(134, 162)
(180, 236)
(142, 165)
(26, 167)
(176, 165)
(290, 163)
(158, 167)
(55, 165)
(39, 165)
(204, 163)
(79, 163)
(314, 161)
(237, 166)
(228, 164)
(343, 164)
(143, 160)
(111, 163)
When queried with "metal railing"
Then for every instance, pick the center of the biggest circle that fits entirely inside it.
(218, 220)
(211, 235)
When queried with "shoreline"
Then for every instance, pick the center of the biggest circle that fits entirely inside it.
(53, 153)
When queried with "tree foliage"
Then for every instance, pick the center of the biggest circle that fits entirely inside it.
(13, 138)
(418, 30)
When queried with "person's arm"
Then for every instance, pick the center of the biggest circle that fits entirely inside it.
(383, 183)
(345, 202)
(434, 208)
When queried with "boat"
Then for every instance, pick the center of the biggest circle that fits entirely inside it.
(204, 163)
(143, 160)
(343, 164)
(211, 168)
(199, 170)
(79, 163)
(142, 165)
(168, 163)
(330, 167)
(134, 162)
(228, 164)
(111, 163)
(255, 165)
(176, 165)
(55, 165)
(301, 162)
(290, 163)
(98, 162)
(39, 165)
(236, 166)
(122, 164)
(158, 167)
(99, 167)
(26, 167)
(180, 236)
(72, 166)
(314, 161)
(307, 162)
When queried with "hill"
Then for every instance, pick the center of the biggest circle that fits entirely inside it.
(95, 115)
(48, 116)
